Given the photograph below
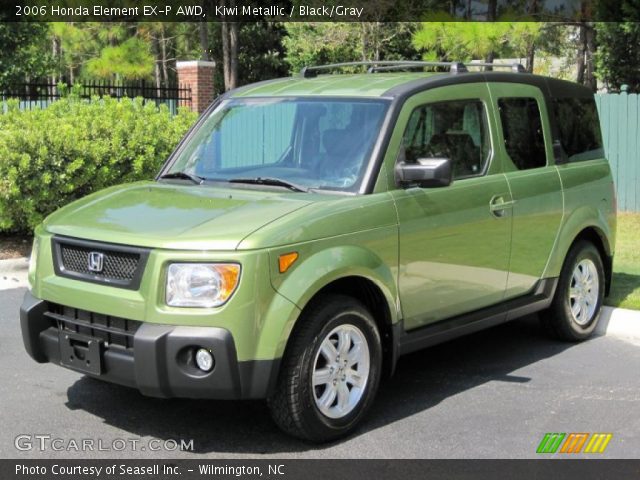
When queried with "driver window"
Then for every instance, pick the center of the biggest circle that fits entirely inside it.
(456, 130)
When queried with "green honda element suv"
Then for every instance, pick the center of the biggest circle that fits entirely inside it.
(310, 230)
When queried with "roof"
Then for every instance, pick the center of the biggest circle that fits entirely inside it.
(352, 85)
(391, 85)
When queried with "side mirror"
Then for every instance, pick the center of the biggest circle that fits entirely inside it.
(425, 172)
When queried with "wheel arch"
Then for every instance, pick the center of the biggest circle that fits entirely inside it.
(372, 297)
(597, 238)
(345, 269)
(595, 225)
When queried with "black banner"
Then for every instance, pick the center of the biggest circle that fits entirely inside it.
(318, 10)
(319, 469)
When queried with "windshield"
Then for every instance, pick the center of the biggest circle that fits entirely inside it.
(312, 143)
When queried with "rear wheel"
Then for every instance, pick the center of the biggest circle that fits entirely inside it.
(575, 311)
(330, 372)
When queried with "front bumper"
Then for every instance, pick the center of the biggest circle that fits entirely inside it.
(159, 363)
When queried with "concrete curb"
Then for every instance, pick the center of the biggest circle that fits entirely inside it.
(14, 273)
(14, 265)
(620, 323)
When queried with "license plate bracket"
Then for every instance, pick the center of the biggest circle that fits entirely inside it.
(80, 352)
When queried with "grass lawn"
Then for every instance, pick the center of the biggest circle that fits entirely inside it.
(625, 289)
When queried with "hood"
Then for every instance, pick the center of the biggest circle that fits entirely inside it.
(174, 216)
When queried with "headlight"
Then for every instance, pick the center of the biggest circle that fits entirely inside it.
(33, 260)
(201, 284)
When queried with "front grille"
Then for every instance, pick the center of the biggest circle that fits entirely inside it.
(114, 331)
(120, 266)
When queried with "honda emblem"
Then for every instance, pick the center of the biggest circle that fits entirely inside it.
(96, 262)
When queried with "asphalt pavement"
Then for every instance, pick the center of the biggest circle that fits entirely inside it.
(493, 394)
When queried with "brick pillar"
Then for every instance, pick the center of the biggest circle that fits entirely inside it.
(197, 74)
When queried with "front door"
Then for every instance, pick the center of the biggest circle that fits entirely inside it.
(454, 241)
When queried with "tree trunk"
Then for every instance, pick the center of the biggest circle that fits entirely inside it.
(590, 48)
(489, 59)
(55, 51)
(492, 15)
(156, 66)
(377, 38)
(531, 54)
(163, 53)
(364, 40)
(204, 41)
(230, 54)
(233, 60)
(582, 42)
(492, 10)
(224, 29)
(531, 48)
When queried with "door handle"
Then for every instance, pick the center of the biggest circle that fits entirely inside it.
(497, 205)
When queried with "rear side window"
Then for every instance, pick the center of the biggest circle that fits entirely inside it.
(579, 128)
(455, 130)
(522, 128)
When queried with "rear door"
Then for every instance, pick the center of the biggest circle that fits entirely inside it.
(525, 152)
(454, 241)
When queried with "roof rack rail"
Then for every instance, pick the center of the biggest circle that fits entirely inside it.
(516, 67)
(311, 71)
(454, 67)
(388, 65)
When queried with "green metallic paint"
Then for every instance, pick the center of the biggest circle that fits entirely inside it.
(325, 261)
(328, 216)
(355, 85)
(537, 194)
(173, 215)
(439, 251)
(254, 304)
(327, 234)
(454, 254)
(588, 203)
(537, 214)
(386, 180)
(335, 238)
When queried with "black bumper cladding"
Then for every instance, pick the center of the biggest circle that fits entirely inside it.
(156, 359)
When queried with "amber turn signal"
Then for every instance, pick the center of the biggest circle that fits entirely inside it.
(286, 260)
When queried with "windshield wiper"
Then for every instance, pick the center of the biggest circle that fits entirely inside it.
(187, 176)
(276, 182)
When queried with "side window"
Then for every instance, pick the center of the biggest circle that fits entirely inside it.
(456, 130)
(522, 128)
(579, 128)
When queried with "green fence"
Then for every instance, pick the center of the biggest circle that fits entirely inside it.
(620, 121)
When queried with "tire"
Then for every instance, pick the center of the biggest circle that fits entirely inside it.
(574, 314)
(307, 411)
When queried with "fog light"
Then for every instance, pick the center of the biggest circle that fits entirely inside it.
(204, 359)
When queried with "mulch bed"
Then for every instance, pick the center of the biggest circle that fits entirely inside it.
(14, 247)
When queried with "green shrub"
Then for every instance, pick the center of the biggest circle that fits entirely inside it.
(50, 157)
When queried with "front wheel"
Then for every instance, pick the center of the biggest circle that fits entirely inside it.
(575, 310)
(330, 372)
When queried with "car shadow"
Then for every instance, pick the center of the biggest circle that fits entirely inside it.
(624, 284)
(422, 380)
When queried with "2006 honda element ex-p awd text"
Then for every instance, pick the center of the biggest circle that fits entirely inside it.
(310, 230)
